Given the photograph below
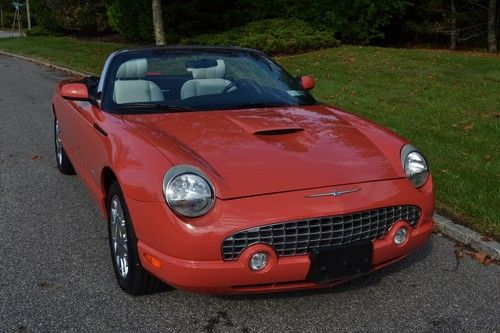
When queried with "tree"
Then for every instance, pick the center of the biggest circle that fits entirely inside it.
(158, 23)
(133, 19)
(76, 16)
(492, 33)
(454, 32)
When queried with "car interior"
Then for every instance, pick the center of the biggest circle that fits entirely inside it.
(134, 84)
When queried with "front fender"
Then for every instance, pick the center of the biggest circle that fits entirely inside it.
(138, 166)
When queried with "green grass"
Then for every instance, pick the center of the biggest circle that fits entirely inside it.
(446, 103)
(82, 55)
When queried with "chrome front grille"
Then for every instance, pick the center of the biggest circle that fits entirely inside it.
(299, 237)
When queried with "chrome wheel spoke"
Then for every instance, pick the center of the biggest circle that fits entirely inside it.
(59, 148)
(119, 240)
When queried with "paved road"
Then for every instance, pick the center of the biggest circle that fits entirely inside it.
(8, 33)
(56, 275)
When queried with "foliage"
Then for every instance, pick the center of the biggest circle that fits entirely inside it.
(44, 17)
(355, 21)
(187, 18)
(274, 36)
(39, 30)
(431, 22)
(76, 16)
(8, 16)
(131, 18)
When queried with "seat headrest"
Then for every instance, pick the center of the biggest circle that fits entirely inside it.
(214, 72)
(132, 69)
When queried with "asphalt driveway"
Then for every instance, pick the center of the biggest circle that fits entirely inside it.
(56, 274)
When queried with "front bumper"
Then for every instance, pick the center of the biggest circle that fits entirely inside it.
(285, 273)
(190, 250)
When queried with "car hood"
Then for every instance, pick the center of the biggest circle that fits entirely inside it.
(267, 150)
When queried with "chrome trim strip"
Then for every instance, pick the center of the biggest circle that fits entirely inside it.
(333, 194)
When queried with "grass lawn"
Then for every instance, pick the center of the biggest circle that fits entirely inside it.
(446, 103)
(82, 55)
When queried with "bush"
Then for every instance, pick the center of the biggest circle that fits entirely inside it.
(39, 31)
(131, 18)
(274, 36)
(8, 19)
(76, 16)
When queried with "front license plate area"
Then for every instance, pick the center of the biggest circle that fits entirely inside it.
(340, 262)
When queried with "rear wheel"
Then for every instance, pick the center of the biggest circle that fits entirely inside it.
(130, 274)
(63, 163)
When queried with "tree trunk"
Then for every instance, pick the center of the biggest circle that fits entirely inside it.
(28, 13)
(158, 23)
(492, 36)
(454, 32)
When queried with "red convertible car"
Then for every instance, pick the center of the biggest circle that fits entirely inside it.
(218, 172)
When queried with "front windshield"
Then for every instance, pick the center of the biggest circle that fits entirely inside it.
(156, 80)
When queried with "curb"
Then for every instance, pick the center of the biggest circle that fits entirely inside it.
(46, 64)
(466, 236)
(444, 225)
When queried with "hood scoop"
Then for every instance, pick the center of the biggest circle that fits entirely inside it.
(278, 131)
(265, 124)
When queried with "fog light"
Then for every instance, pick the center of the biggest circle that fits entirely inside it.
(258, 261)
(400, 236)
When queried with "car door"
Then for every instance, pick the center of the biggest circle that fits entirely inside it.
(92, 143)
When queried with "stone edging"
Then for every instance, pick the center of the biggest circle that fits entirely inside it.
(466, 236)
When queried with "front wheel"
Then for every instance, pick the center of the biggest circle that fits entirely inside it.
(130, 274)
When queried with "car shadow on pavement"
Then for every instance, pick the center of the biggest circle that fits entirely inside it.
(365, 281)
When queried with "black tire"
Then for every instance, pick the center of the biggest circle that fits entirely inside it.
(137, 281)
(63, 163)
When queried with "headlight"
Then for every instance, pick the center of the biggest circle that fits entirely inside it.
(188, 191)
(414, 165)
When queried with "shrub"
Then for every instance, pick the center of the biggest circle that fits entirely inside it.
(131, 18)
(39, 31)
(8, 19)
(273, 36)
(76, 16)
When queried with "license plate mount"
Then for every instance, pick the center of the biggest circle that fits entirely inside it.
(334, 263)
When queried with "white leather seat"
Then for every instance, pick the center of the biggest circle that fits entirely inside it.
(130, 86)
(206, 81)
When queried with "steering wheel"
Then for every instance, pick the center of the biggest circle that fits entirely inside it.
(236, 85)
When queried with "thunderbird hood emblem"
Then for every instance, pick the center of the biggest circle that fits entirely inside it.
(333, 193)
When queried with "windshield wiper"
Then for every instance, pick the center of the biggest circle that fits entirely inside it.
(254, 105)
(153, 106)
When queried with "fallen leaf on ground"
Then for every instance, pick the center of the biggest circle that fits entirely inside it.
(487, 158)
(482, 257)
(487, 261)
(467, 128)
(459, 253)
(487, 238)
(36, 157)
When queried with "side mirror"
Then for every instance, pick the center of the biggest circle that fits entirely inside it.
(307, 82)
(75, 91)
